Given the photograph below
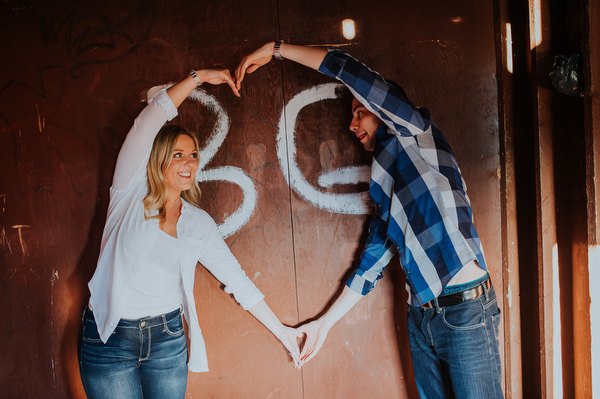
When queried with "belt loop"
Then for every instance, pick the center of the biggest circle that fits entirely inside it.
(437, 305)
(485, 290)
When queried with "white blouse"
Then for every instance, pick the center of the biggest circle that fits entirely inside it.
(128, 237)
(157, 287)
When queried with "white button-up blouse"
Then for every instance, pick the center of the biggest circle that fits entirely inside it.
(127, 238)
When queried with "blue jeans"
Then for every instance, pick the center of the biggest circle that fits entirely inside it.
(145, 358)
(454, 349)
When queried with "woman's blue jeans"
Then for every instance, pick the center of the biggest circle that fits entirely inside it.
(454, 349)
(145, 358)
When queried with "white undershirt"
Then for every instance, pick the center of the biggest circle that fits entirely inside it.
(156, 289)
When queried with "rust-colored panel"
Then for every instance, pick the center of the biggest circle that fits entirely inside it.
(68, 95)
(65, 112)
(431, 54)
(586, 355)
(510, 244)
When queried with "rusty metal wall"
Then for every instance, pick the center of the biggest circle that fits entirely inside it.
(72, 76)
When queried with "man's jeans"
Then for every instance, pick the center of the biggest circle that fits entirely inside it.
(145, 358)
(455, 349)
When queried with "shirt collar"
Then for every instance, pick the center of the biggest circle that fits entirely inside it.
(185, 207)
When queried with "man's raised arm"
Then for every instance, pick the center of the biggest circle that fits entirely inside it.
(305, 55)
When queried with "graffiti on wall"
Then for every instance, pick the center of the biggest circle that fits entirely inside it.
(349, 203)
(352, 203)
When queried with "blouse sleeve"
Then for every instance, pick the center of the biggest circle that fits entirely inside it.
(219, 260)
(134, 154)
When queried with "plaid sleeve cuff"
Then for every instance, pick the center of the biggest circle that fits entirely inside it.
(358, 283)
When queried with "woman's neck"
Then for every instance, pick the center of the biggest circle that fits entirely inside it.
(174, 202)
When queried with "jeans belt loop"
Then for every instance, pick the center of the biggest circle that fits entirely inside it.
(437, 305)
(485, 289)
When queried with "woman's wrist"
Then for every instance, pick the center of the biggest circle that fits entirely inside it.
(195, 74)
(278, 329)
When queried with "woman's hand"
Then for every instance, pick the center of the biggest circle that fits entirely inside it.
(253, 61)
(182, 90)
(217, 77)
(288, 336)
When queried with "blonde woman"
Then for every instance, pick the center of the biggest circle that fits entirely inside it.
(133, 344)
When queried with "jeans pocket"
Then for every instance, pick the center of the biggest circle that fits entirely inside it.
(463, 317)
(174, 326)
(90, 332)
(496, 314)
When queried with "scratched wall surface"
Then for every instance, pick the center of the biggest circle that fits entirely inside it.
(73, 77)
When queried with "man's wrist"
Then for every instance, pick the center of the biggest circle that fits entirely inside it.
(327, 321)
(277, 49)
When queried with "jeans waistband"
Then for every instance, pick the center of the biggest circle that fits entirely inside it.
(475, 292)
(144, 322)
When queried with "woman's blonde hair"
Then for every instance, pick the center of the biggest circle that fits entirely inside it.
(160, 159)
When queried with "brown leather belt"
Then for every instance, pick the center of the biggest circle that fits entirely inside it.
(459, 297)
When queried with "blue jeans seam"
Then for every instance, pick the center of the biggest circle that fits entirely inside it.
(491, 349)
(172, 333)
(485, 307)
(428, 359)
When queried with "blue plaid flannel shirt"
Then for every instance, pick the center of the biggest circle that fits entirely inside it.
(422, 208)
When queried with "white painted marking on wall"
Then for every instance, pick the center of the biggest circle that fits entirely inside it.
(4, 241)
(227, 173)
(354, 203)
(221, 127)
(19, 228)
(237, 176)
(346, 175)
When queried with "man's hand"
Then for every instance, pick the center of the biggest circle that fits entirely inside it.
(306, 55)
(253, 61)
(217, 77)
(316, 333)
(286, 335)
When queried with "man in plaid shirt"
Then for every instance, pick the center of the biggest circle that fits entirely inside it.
(422, 213)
